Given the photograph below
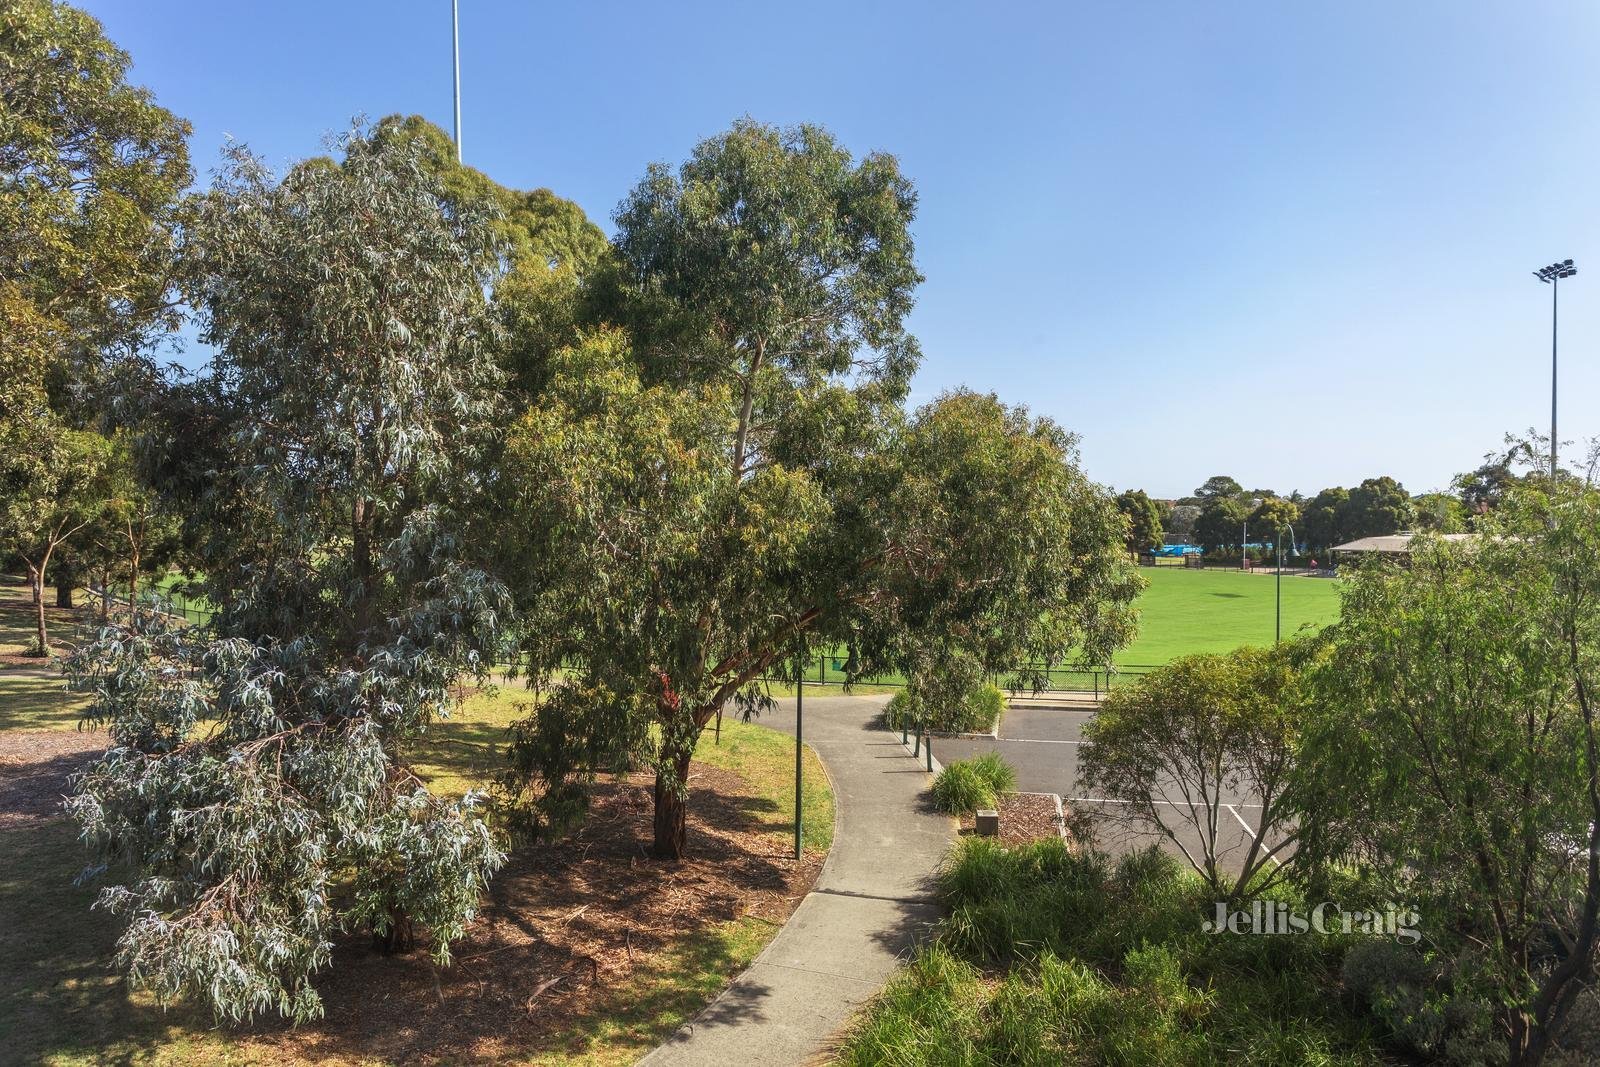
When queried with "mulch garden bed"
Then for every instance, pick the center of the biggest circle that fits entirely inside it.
(1024, 817)
(571, 932)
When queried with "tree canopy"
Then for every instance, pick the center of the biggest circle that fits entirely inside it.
(1221, 523)
(1217, 487)
(1377, 506)
(1144, 520)
(735, 475)
(1274, 516)
(91, 171)
(255, 796)
(1458, 700)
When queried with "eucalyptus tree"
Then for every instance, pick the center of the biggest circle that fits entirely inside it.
(702, 496)
(56, 483)
(1176, 751)
(1144, 520)
(552, 251)
(1323, 518)
(91, 175)
(256, 796)
(1273, 516)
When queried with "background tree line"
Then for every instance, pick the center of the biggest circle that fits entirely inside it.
(1221, 512)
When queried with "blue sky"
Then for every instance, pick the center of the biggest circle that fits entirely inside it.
(1287, 242)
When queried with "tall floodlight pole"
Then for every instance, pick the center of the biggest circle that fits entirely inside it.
(1279, 632)
(455, 42)
(1552, 276)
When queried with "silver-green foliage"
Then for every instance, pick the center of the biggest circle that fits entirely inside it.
(255, 798)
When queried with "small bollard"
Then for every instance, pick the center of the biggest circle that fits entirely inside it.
(988, 822)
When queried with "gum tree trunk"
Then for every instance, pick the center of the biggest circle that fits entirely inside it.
(672, 813)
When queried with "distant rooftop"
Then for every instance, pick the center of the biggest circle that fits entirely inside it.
(1400, 542)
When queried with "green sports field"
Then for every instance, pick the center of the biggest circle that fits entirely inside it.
(1185, 611)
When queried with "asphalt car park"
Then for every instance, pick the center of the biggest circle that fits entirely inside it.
(1044, 746)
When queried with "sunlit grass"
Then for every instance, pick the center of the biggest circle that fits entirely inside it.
(38, 701)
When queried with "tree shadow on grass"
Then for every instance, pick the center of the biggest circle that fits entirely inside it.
(60, 997)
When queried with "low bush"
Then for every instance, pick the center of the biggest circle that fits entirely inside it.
(995, 772)
(1106, 964)
(1412, 994)
(967, 785)
(960, 789)
(977, 713)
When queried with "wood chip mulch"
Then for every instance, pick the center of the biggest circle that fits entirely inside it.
(566, 926)
(1024, 817)
(572, 932)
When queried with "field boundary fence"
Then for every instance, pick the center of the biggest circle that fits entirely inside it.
(168, 602)
(827, 668)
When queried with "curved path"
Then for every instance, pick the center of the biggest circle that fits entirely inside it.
(872, 901)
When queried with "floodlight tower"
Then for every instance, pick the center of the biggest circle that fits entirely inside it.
(455, 46)
(1552, 276)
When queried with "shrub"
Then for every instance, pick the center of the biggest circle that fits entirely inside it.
(967, 785)
(978, 712)
(904, 711)
(983, 708)
(1412, 997)
(925, 1014)
(1107, 964)
(960, 789)
(996, 773)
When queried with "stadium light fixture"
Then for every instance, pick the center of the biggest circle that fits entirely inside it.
(1552, 276)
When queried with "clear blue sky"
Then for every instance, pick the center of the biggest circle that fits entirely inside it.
(1287, 242)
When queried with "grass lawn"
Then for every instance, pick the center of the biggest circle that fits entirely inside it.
(1214, 610)
(61, 1002)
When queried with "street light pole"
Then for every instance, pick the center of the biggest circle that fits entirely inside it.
(799, 743)
(1552, 276)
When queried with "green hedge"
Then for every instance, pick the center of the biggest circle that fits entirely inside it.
(979, 713)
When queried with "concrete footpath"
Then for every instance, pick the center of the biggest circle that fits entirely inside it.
(872, 901)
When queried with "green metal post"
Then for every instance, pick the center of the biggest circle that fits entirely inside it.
(799, 748)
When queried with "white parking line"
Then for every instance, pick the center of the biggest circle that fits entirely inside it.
(1040, 741)
(1169, 803)
(1252, 833)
